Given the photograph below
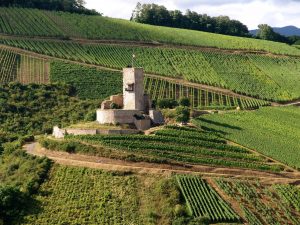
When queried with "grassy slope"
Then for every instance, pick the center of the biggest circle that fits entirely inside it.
(88, 196)
(89, 83)
(32, 22)
(272, 131)
(272, 78)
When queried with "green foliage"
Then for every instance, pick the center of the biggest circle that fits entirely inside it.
(260, 203)
(166, 103)
(90, 83)
(272, 131)
(13, 204)
(173, 145)
(266, 32)
(204, 202)
(87, 196)
(185, 102)
(35, 109)
(158, 15)
(32, 22)
(254, 75)
(182, 114)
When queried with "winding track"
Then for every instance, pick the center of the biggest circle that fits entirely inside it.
(94, 162)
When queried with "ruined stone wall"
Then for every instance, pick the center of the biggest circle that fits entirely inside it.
(116, 116)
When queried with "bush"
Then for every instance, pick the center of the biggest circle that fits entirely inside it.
(185, 102)
(182, 114)
(12, 204)
(166, 103)
(90, 116)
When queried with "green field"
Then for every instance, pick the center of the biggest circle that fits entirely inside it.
(193, 146)
(89, 196)
(272, 131)
(90, 83)
(32, 22)
(263, 204)
(202, 200)
(265, 77)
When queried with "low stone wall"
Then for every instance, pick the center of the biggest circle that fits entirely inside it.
(60, 133)
(115, 116)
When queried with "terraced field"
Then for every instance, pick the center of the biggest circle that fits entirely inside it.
(271, 131)
(193, 146)
(264, 204)
(265, 77)
(32, 22)
(23, 68)
(202, 200)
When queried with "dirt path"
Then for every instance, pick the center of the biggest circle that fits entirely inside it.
(153, 168)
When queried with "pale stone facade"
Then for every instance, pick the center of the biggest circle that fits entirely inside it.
(133, 103)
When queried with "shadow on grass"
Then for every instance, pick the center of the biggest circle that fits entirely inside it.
(225, 125)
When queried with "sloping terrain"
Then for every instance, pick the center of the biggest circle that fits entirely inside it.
(272, 131)
(32, 22)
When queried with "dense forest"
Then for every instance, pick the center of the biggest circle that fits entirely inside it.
(74, 6)
(158, 15)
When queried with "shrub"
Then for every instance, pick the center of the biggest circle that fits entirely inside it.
(166, 103)
(182, 114)
(185, 102)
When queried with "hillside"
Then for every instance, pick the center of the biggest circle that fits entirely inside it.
(32, 22)
(270, 131)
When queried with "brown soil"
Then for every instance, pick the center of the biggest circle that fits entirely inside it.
(164, 169)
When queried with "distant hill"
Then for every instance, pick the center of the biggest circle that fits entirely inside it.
(286, 31)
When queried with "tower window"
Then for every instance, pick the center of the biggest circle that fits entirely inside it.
(130, 87)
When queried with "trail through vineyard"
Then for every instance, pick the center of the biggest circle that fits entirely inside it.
(153, 168)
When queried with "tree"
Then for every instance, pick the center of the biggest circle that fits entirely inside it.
(182, 114)
(12, 204)
(185, 102)
(158, 15)
(266, 32)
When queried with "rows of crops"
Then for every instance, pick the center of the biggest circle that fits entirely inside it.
(202, 200)
(32, 22)
(174, 144)
(263, 204)
(23, 68)
(273, 78)
(262, 130)
(89, 82)
(91, 197)
(201, 99)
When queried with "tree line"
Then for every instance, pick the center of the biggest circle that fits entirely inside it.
(159, 15)
(73, 6)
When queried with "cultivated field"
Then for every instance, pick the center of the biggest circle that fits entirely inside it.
(272, 131)
(32, 22)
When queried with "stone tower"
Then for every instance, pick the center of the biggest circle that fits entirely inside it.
(133, 89)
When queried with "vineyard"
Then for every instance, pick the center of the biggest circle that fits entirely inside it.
(264, 77)
(91, 197)
(175, 144)
(264, 204)
(32, 22)
(202, 200)
(23, 68)
(200, 98)
(90, 83)
(271, 131)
